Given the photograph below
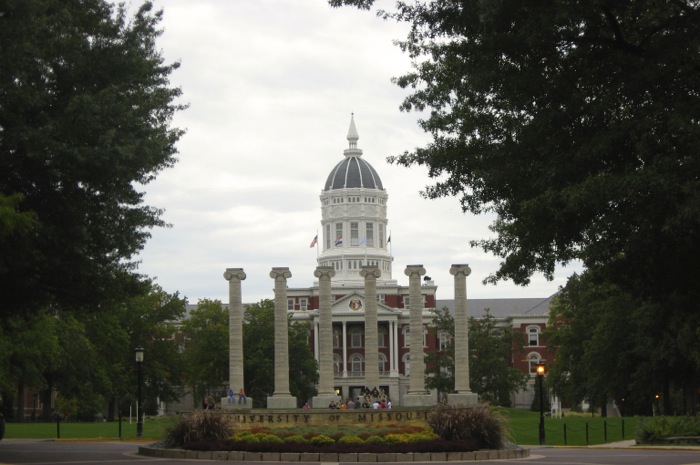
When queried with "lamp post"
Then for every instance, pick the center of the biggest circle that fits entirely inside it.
(139, 401)
(540, 378)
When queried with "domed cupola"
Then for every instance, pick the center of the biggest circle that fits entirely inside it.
(354, 218)
(353, 172)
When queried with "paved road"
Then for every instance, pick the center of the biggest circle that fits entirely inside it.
(41, 452)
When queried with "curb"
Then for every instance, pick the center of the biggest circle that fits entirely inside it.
(233, 455)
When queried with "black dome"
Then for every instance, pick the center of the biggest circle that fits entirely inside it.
(353, 172)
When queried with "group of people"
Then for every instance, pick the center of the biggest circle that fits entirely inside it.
(374, 399)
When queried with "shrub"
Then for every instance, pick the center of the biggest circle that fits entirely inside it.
(296, 439)
(267, 438)
(656, 429)
(351, 440)
(199, 427)
(479, 423)
(375, 440)
(321, 440)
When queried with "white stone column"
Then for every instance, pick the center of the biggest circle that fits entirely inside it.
(392, 350)
(326, 392)
(316, 349)
(281, 398)
(345, 349)
(463, 394)
(396, 346)
(371, 273)
(234, 276)
(417, 394)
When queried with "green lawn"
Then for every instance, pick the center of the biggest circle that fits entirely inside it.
(524, 426)
(98, 430)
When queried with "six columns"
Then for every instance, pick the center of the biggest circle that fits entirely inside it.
(417, 394)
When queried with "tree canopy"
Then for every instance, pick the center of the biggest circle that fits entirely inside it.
(491, 374)
(85, 114)
(577, 123)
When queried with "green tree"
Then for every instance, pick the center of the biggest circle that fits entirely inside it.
(259, 352)
(206, 353)
(575, 124)
(85, 114)
(612, 346)
(491, 374)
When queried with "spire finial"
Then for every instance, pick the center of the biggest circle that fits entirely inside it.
(352, 132)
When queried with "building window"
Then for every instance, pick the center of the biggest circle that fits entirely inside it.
(356, 365)
(406, 301)
(382, 364)
(406, 330)
(407, 364)
(336, 365)
(336, 339)
(303, 303)
(338, 235)
(533, 336)
(354, 234)
(290, 304)
(369, 229)
(444, 339)
(534, 359)
(382, 336)
(381, 298)
(356, 337)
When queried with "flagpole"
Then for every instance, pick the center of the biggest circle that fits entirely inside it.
(317, 252)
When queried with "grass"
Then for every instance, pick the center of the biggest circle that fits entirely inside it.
(152, 429)
(523, 425)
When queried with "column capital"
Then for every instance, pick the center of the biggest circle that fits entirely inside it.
(231, 273)
(324, 272)
(367, 271)
(460, 269)
(414, 269)
(280, 272)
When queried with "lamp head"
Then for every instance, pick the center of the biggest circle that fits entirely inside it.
(541, 370)
(139, 354)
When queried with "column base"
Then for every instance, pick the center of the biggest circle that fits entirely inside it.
(234, 405)
(323, 401)
(463, 398)
(419, 400)
(282, 402)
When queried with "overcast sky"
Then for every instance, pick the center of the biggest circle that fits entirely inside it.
(271, 86)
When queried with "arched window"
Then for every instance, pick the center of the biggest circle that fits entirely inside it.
(336, 365)
(406, 364)
(533, 336)
(356, 337)
(533, 360)
(406, 330)
(382, 364)
(356, 365)
(444, 339)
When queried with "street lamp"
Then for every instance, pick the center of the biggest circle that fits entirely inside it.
(139, 401)
(540, 378)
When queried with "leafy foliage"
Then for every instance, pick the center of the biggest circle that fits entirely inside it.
(258, 348)
(656, 429)
(85, 120)
(199, 427)
(206, 353)
(480, 423)
(490, 372)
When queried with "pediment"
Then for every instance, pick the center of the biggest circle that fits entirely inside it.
(355, 304)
